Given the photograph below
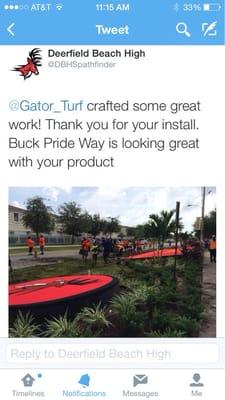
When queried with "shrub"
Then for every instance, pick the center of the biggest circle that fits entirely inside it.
(192, 274)
(124, 305)
(162, 321)
(187, 324)
(144, 293)
(24, 326)
(165, 298)
(193, 309)
(129, 321)
(61, 326)
(167, 333)
(92, 321)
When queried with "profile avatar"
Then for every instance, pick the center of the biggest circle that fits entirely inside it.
(31, 67)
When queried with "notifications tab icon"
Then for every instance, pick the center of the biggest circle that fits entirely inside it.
(182, 28)
(84, 380)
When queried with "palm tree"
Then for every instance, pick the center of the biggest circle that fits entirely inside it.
(162, 225)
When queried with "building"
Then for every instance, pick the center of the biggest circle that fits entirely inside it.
(18, 232)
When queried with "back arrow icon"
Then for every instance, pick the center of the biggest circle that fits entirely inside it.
(9, 29)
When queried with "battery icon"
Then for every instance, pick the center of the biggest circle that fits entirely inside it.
(212, 7)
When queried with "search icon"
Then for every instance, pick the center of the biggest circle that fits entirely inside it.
(182, 28)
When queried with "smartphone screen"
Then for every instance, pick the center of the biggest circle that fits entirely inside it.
(112, 173)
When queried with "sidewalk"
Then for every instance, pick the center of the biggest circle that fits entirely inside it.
(52, 257)
(208, 328)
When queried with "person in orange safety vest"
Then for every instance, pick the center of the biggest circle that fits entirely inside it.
(42, 244)
(30, 245)
(212, 249)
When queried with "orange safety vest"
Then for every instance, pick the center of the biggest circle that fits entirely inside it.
(212, 244)
(86, 245)
(30, 243)
(41, 241)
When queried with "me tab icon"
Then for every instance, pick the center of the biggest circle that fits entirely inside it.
(84, 380)
(196, 378)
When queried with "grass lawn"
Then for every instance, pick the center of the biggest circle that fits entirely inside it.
(67, 267)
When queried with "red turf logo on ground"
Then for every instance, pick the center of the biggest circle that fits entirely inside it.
(33, 62)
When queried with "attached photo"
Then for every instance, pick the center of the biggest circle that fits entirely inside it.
(112, 262)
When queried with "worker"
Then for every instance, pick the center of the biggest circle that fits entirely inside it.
(107, 248)
(95, 252)
(30, 245)
(138, 246)
(42, 244)
(212, 249)
(85, 248)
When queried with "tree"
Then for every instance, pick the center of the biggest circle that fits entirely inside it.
(96, 225)
(111, 225)
(161, 226)
(73, 220)
(142, 231)
(131, 231)
(38, 217)
(209, 225)
(184, 236)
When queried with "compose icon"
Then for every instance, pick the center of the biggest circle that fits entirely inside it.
(209, 29)
(140, 380)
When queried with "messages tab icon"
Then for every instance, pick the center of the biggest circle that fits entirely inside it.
(140, 380)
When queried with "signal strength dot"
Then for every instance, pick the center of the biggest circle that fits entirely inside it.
(10, 7)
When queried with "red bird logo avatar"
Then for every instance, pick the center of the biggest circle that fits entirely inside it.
(33, 62)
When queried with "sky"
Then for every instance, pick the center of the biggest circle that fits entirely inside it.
(132, 205)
